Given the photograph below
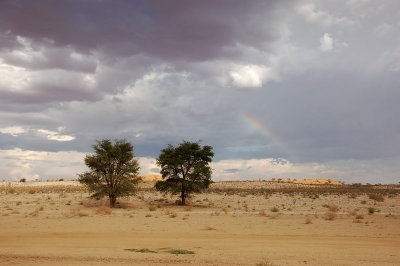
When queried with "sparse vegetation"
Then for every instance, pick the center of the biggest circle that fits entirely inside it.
(274, 209)
(142, 250)
(180, 251)
(371, 210)
(330, 216)
(376, 197)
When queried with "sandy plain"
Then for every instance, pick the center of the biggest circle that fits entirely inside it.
(234, 223)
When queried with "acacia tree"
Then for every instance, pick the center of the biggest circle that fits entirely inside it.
(113, 170)
(185, 169)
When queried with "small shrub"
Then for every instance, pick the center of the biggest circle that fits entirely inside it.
(152, 208)
(376, 197)
(363, 202)
(371, 210)
(359, 217)
(180, 251)
(308, 220)
(274, 209)
(330, 216)
(333, 208)
(23, 180)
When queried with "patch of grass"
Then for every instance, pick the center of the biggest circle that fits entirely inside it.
(180, 251)
(142, 250)
(264, 262)
(152, 208)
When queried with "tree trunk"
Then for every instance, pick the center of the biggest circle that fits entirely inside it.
(183, 197)
(113, 200)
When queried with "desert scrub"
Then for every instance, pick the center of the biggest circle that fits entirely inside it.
(371, 210)
(274, 209)
(376, 197)
(180, 251)
(142, 250)
(330, 216)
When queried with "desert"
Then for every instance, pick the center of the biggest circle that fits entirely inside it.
(231, 223)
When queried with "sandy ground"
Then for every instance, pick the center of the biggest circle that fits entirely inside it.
(51, 226)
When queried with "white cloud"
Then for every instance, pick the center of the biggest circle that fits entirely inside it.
(40, 165)
(251, 76)
(13, 78)
(34, 165)
(326, 43)
(52, 135)
(311, 14)
(14, 131)
(148, 166)
(348, 171)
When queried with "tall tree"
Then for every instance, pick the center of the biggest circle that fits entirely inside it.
(113, 170)
(185, 169)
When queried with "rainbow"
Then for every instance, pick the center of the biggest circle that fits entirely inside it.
(257, 125)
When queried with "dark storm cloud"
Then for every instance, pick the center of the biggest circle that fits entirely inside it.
(186, 30)
(45, 93)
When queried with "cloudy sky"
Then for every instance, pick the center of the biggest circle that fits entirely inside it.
(296, 89)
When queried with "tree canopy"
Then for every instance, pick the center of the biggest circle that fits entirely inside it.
(113, 170)
(185, 169)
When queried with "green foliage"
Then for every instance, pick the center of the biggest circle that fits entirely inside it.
(113, 170)
(185, 169)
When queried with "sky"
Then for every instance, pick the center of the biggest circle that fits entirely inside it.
(279, 89)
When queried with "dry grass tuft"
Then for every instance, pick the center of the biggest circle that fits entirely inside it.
(264, 262)
(274, 209)
(330, 216)
(376, 197)
(262, 213)
(209, 228)
(75, 211)
(104, 210)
